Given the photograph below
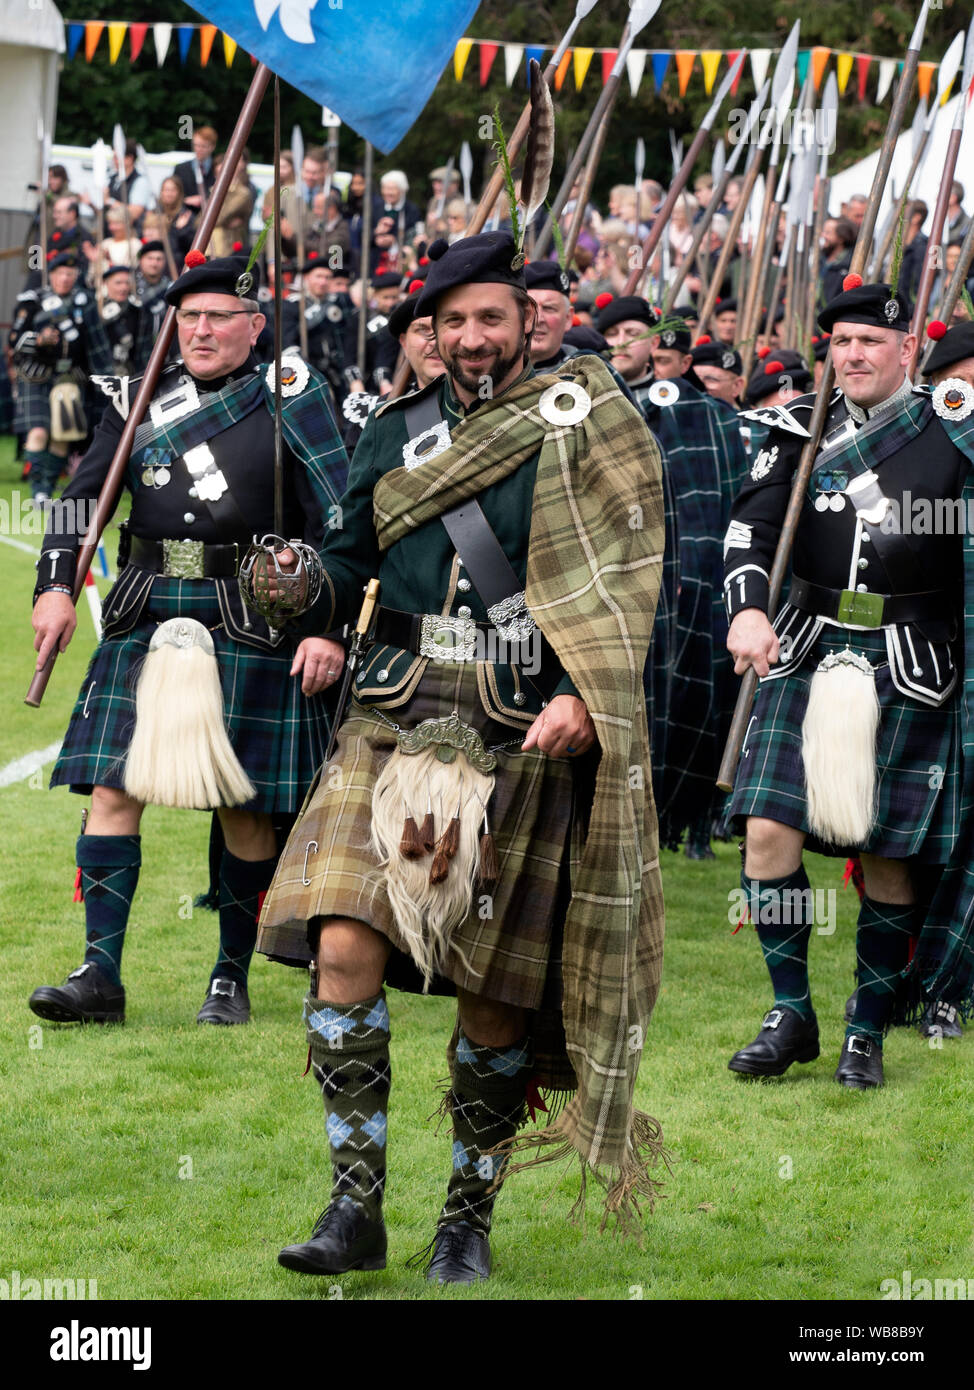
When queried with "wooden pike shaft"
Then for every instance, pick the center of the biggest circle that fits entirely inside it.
(880, 260)
(936, 233)
(788, 336)
(701, 229)
(752, 302)
(821, 211)
(957, 280)
(749, 681)
(588, 179)
(727, 250)
(663, 216)
(108, 497)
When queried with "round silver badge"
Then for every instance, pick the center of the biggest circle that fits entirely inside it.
(822, 502)
(664, 392)
(836, 502)
(334, 314)
(953, 399)
(556, 414)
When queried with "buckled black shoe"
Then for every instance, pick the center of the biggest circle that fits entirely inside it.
(861, 1064)
(226, 1002)
(785, 1037)
(344, 1237)
(87, 996)
(940, 1020)
(460, 1255)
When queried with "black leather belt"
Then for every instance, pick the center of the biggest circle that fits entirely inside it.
(185, 559)
(394, 628)
(879, 610)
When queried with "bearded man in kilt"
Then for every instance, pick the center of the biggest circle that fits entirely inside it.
(486, 824)
(859, 740)
(202, 481)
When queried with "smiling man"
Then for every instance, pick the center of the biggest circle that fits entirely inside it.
(495, 507)
(853, 745)
(202, 481)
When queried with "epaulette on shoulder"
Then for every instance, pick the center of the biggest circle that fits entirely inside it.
(118, 389)
(776, 417)
(408, 399)
(26, 296)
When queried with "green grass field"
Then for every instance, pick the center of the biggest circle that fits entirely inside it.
(169, 1161)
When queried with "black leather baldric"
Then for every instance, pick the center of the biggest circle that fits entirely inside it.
(219, 561)
(897, 608)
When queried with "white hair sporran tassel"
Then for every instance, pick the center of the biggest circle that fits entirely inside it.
(428, 909)
(839, 749)
(180, 754)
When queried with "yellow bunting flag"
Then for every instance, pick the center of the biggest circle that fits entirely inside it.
(710, 60)
(229, 49)
(843, 68)
(460, 55)
(207, 35)
(925, 72)
(561, 72)
(685, 60)
(116, 37)
(581, 58)
(820, 60)
(93, 28)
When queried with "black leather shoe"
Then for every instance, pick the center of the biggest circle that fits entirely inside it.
(785, 1037)
(460, 1255)
(699, 852)
(344, 1237)
(226, 1002)
(87, 996)
(861, 1064)
(940, 1020)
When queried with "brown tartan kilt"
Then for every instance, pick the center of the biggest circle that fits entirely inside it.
(510, 934)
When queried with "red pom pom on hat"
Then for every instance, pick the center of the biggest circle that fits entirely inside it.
(763, 351)
(771, 367)
(193, 259)
(603, 299)
(852, 282)
(704, 338)
(936, 329)
(424, 260)
(415, 285)
(238, 246)
(576, 321)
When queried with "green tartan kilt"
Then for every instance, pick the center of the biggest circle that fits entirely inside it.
(33, 408)
(278, 734)
(511, 935)
(917, 759)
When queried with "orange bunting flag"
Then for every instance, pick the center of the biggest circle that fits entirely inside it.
(229, 50)
(561, 72)
(116, 37)
(710, 61)
(460, 55)
(925, 72)
(843, 67)
(207, 35)
(581, 59)
(685, 60)
(820, 61)
(93, 28)
(137, 33)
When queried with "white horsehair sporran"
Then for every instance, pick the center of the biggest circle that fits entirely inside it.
(839, 749)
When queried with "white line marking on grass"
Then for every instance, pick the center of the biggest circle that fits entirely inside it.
(21, 768)
(20, 545)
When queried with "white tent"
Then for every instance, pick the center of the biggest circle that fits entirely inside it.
(31, 41)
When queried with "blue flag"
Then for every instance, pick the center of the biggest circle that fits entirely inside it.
(372, 62)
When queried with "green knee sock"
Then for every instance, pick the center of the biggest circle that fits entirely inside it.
(109, 867)
(782, 911)
(487, 1104)
(243, 883)
(883, 937)
(45, 469)
(350, 1059)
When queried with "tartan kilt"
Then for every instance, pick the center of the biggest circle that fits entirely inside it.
(278, 734)
(918, 808)
(33, 406)
(510, 946)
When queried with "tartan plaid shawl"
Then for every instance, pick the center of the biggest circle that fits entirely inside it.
(942, 967)
(593, 574)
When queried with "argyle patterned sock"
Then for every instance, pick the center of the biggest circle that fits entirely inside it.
(109, 867)
(242, 885)
(784, 924)
(883, 938)
(45, 469)
(350, 1059)
(487, 1103)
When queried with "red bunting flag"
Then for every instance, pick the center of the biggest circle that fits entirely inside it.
(137, 33)
(608, 59)
(731, 60)
(488, 52)
(862, 72)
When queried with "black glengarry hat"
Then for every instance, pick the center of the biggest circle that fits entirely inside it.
(875, 305)
(221, 275)
(488, 258)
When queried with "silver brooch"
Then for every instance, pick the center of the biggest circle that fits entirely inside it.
(664, 392)
(245, 283)
(953, 399)
(295, 375)
(358, 406)
(892, 310)
(556, 414)
(426, 446)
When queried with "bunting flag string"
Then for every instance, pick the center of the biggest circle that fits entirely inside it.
(815, 60)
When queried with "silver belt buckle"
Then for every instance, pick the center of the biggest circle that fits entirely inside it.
(448, 639)
(182, 559)
(511, 618)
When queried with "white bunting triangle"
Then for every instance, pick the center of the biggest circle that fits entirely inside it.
(161, 36)
(635, 63)
(513, 54)
(760, 58)
(887, 71)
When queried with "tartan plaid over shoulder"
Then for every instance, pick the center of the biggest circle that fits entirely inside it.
(593, 575)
